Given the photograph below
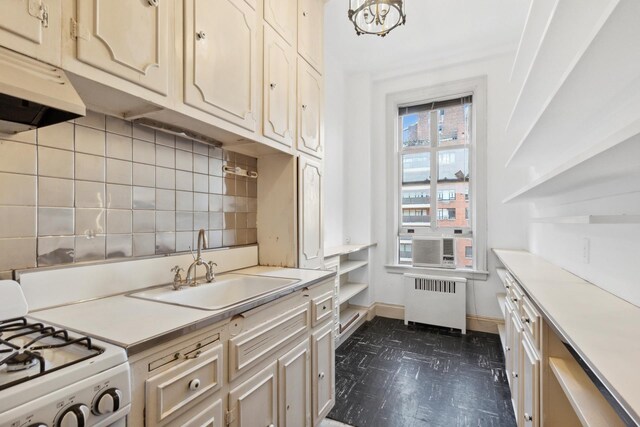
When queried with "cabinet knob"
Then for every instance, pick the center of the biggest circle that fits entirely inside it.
(514, 374)
(154, 3)
(194, 384)
(324, 307)
(525, 319)
(514, 299)
(273, 85)
(321, 375)
(304, 13)
(528, 417)
(508, 348)
(200, 35)
(304, 106)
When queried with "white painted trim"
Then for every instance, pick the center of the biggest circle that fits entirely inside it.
(478, 167)
(395, 311)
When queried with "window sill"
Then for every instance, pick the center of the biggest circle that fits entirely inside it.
(448, 272)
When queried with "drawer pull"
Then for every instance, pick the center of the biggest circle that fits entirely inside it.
(321, 375)
(514, 299)
(194, 384)
(201, 35)
(514, 374)
(525, 319)
(324, 307)
(528, 417)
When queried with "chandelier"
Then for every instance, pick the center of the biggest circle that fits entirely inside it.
(376, 16)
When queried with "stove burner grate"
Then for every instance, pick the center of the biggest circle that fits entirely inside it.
(20, 351)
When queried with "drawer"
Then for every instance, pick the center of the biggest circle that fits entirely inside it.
(531, 321)
(515, 295)
(169, 392)
(248, 348)
(322, 308)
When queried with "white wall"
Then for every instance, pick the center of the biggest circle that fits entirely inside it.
(334, 140)
(365, 177)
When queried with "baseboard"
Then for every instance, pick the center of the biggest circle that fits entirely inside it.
(395, 311)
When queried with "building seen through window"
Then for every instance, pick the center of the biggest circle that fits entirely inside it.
(435, 142)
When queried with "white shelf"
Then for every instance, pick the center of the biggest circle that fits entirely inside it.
(350, 265)
(346, 249)
(588, 403)
(502, 274)
(349, 290)
(347, 314)
(613, 163)
(501, 302)
(590, 219)
(573, 96)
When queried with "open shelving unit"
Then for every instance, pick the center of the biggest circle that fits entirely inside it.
(588, 403)
(576, 119)
(352, 280)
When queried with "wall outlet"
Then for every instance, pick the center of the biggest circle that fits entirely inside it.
(586, 250)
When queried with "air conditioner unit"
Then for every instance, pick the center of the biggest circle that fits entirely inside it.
(433, 252)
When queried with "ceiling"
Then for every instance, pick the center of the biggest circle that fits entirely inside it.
(436, 31)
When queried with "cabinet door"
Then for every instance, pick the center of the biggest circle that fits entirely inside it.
(310, 118)
(32, 27)
(530, 379)
(282, 16)
(508, 339)
(221, 60)
(323, 372)
(310, 27)
(279, 118)
(294, 376)
(310, 211)
(515, 363)
(129, 39)
(255, 401)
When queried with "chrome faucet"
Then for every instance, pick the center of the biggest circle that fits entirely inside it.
(191, 272)
(191, 280)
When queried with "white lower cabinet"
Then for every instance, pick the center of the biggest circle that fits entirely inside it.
(255, 401)
(530, 378)
(294, 387)
(323, 371)
(211, 416)
(516, 336)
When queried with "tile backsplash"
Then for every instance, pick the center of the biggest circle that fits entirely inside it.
(103, 188)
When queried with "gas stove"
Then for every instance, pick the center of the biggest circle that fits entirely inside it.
(51, 377)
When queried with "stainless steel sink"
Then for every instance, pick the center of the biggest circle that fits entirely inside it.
(226, 291)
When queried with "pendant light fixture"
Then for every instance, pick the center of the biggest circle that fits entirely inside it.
(376, 16)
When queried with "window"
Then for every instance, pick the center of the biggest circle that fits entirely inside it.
(434, 150)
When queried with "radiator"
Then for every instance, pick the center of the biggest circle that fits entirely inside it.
(435, 300)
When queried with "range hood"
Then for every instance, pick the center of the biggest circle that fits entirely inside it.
(34, 94)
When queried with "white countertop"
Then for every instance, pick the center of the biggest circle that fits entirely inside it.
(602, 328)
(132, 322)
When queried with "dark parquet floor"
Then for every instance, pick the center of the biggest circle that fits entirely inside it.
(392, 375)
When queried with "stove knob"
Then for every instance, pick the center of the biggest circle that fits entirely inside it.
(75, 416)
(108, 402)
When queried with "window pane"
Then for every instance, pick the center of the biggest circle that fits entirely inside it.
(464, 252)
(416, 168)
(416, 206)
(415, 130)
(453, 188)
(405, 251)
(454, 125)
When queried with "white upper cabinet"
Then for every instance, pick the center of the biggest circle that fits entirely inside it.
(310, 196)
(310, 23)
(279, 115)
(128, 39)
(309, 110)
(32, 27)
(282, 16)
(221, 61)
